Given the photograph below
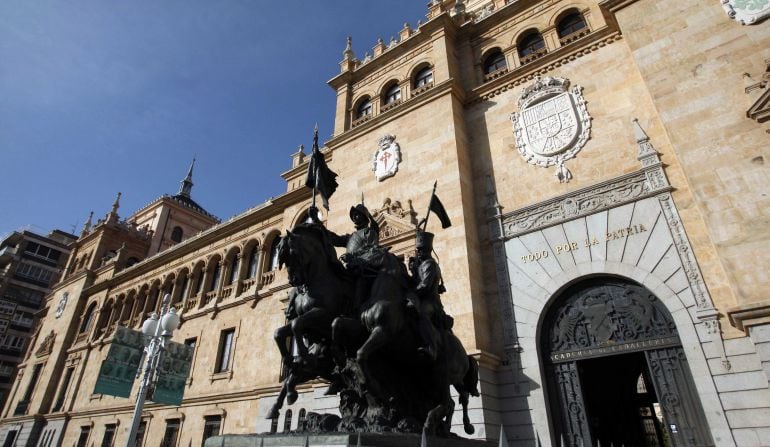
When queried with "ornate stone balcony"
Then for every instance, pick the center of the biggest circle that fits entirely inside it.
(495, 74)
(534, 56)
(422, 89)
(267, 278)
(569, 38)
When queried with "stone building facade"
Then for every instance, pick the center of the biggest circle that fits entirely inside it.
(30, 264)
(603, 164)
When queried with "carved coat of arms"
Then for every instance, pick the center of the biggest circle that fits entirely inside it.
(386, 159)
(747, 12)
(552, 124)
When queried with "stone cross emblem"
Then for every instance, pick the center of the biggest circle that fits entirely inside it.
(386, 159)
(552, 124)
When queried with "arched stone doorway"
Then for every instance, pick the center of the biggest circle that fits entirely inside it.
(615, 369)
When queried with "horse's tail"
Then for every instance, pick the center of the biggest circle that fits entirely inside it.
(471, 379)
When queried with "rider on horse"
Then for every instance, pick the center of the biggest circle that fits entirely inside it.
(363, 254)
(426, 298)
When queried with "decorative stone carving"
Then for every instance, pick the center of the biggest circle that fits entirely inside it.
(386, 159)
(609, 314)
(747, 12)
(552, 124)
(759, 95)
(62, 304)
(394, 208)
(46, 346)
(395, 220)
(582, 202)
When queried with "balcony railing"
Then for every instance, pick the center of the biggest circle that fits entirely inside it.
(267, 278)
(535, 55)
(495, 74)
(228, 291)
(389, 106)
(569, 38)
(248, 282)
(422, 89)
(209, 297)
(191, 303)
(362, 120)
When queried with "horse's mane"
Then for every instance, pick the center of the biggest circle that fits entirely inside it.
(316, 231)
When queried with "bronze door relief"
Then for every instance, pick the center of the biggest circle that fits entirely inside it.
(602, 341)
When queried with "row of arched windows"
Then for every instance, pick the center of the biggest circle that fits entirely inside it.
(391, 95)
(531, 45)
(191, 287)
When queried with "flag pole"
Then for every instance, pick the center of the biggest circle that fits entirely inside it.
(312, 160)
(427, 216)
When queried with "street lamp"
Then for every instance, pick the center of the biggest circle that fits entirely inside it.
(156, 337)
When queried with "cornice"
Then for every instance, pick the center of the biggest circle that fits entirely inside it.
(402, 109)
(745, 316)
(615, 5)
(525, 73)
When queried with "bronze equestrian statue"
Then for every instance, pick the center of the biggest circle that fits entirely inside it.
(377, 333)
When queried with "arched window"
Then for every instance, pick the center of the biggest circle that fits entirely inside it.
(215, 274)
(234, 264)
(364, 108)
(392, 94)
(530, 44)
(274, 253)
(185, 286)
(423, 77)
(301, 419)
(253, 260)
(494, 62)
(287, 421)
(88, 318)
(570, 24)
(176, 234)
(199, 282)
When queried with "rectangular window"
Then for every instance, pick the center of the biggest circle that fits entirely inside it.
(211, 427)
(63, 389)
(7, 308)
(171, 434)
(109, 435)
(85, 432)
(139, 438)
(3, 325)
(10, 438)
(225, 350)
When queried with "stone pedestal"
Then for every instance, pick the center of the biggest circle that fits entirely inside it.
(341, 440)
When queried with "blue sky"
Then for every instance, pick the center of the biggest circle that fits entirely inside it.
(103, 96)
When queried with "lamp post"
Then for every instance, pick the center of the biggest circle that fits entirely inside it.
(156, 336)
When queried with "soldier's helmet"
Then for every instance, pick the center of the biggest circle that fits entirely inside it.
(424, 240)
(360, 209)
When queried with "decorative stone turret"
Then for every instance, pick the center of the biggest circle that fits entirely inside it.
(349, 60)
(186, 189)
(112, 216)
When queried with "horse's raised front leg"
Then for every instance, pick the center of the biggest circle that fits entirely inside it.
(280, 336)
(315, 318)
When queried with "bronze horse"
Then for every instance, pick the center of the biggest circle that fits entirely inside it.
(379, 324)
